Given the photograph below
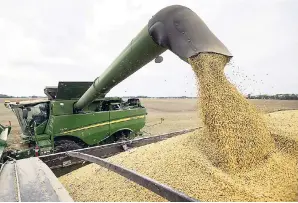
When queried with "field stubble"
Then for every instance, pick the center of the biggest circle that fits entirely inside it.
(179, 114)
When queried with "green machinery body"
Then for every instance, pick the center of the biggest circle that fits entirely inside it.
(73, 112)
(91, 126)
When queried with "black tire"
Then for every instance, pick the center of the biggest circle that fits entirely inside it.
(66, 145)
(123, 136)
(118, 137)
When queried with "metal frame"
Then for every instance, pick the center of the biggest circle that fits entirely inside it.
(156, 187)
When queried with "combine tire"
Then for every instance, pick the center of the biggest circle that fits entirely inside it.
(123, 136)
(66, 145)
(117, 137)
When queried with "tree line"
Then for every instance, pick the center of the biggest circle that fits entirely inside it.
(7, 96)
(276, 96)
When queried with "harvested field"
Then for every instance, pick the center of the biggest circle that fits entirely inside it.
(190, 105)
(179, 114)
(268, 106)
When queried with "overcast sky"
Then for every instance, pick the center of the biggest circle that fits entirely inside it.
(43, 42)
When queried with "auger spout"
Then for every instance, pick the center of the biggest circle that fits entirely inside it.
(176, 28)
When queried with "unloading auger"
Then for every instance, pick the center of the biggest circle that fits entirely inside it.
(176, 28)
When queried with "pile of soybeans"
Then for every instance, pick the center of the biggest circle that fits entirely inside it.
(235, 157)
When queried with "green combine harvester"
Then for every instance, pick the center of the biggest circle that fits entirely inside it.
(62, 132)
(57, 124)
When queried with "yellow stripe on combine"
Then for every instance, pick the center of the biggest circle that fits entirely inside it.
(102, 124)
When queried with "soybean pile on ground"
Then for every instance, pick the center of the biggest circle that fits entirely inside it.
(234, 157)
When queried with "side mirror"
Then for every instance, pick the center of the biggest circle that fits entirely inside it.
(25, 113)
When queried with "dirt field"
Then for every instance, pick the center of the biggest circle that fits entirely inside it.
(164, 115)
(179, 114)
